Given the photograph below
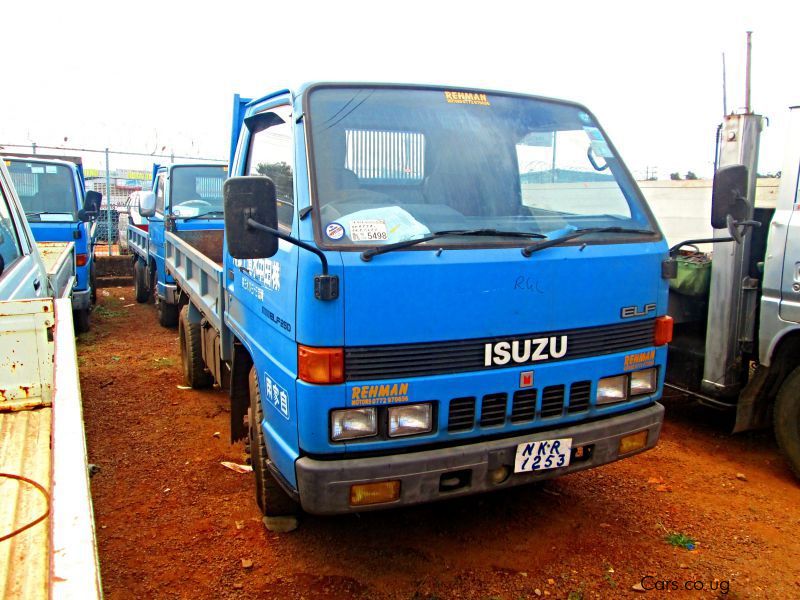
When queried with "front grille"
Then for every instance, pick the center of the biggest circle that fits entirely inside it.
(439, 358)
(523, 408)
(552, 401)
(461, 415)
(579, 395)
(493, 410)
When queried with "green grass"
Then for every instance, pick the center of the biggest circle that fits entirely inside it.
(164, 361)
(106, 312)
(681, 540)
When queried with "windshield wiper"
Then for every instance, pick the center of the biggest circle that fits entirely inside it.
(528, 250)
(368, 254)
(201, 215)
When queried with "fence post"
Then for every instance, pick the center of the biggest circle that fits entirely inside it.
(108, 205)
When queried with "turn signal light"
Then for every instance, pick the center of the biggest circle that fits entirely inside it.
(81, 259)
(663, 330)
(320, 365)
(631, 443)
(362, 494)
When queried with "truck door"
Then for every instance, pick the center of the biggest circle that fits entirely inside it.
(21, 274)
(790, 284)
(265, 289)
(156, 230)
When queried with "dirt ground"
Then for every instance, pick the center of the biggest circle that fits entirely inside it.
(173, 523)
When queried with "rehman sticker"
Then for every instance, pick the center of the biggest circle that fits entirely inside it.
(640, 360)
(390, 393)
(466, 98)
(334, 231)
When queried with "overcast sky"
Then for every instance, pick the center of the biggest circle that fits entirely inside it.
(143, 75)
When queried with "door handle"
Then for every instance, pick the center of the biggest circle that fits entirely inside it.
(36, 284)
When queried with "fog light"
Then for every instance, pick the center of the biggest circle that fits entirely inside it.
(644, 381)
(409, 419)
(612, 389)
(362, 494)
(499, 475)
(353, 423)
(631, 443)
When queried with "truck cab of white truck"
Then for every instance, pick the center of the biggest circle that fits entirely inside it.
(737, 327)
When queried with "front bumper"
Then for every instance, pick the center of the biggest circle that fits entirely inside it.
(81, 299)
(324, 485)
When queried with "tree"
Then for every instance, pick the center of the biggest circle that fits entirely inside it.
(675, 176)
(690, 175)
(281, 175)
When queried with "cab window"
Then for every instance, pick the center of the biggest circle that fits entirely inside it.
(271, 153)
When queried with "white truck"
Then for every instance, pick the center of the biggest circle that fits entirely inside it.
(47, 539)
(736, 343)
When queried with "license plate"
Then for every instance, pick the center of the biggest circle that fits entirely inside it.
(542, 455)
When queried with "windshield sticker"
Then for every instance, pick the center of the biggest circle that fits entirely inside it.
(334, 231)
(276, 395)
(601, 149)
(379, 394)
(37, 170)
(584, 117)
(51, 169)
(594, 134)
(368, 230)
(398, 224)
(466, 98)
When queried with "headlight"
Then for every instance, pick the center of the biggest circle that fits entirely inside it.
(353, 423)
(409, 419)
(612, 389)
(644, 381)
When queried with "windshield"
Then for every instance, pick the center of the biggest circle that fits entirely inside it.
(47, 191)
(396, 164)
(196, 190)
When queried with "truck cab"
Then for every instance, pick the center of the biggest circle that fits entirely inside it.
(186, 198)
(430, 292)
(59, 209)
(735, 304)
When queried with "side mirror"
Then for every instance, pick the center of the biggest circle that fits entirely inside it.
(92, 201)
(729, 196)
(250, 197)
(147, 204)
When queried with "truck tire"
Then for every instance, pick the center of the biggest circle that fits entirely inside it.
(272, 499)
(787, 419)
(80, 318)
(167, 313)
(194, 371)
(140, 282)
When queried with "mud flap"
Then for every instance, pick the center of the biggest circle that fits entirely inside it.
(753, 408)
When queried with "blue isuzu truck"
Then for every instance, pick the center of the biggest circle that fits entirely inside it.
(59, 209)
(424, 292)
(185, 198)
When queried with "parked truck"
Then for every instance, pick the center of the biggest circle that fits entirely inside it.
(737, 313)
(58, 207)
(405, 308)
(47, 540)
(186, 198)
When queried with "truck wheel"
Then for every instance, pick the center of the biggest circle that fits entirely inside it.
(167, 313)
(81, 320)
(272, 500)
(140, 282)
(787, 419)
(194, 371)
